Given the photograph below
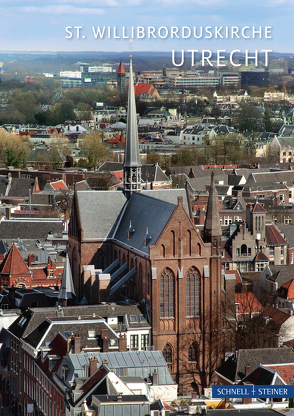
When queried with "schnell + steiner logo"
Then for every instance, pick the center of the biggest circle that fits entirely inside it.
(251, 391)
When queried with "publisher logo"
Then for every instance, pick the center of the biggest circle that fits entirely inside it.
(250, 391)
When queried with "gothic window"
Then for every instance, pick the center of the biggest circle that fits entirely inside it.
(189, 243)
(193, 353)
(162, 250)
(192, 292)
(167, 294)
(167, 354)
(173, 243)
(243, 250)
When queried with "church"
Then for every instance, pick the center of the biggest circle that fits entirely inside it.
(143, 244)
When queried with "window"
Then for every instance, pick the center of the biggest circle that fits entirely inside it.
(91, 334)
(167, 354)
(192, 292)
(249, 251)
(282, 250)
(51, 274)
(134, 341)
(167, 294)
(227, 220)
(272, 251)
(142, 318)
(133, 318)
(193, 353)
(244, 250)
(237, 252)
(144, 340)
(287, 219)
(238, 218)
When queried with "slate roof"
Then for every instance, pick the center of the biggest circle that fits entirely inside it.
(273, 236)
(20, 187)
(281, 274)
(35, 316)
(275, 177)
(99, 212)
(168, 195)
(139, 212)
(262, 376)
(234, 367)
(29, 228)
(288, 231)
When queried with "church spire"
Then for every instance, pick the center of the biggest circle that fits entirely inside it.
(67, 291)
(212, 228)
(132, 164)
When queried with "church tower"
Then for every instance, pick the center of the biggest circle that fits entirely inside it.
(132, 164)
(212, 229)
(121, 78)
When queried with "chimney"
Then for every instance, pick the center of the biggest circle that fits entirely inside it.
(194, 395)
(119, 397)
(122, 343)
(105, 340)
(8, 213)
(247, 369)
(31, 259)
(155, 378)
(77, 344)
(105, 362)
(93, 365)
(69, 344)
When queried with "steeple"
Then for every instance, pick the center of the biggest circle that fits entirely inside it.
(121, 78)
(67, 291)
(212, 228)
(132, 164)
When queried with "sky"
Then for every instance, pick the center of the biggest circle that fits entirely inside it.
(34, 25)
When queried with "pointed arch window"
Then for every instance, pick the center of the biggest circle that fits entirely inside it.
(167, 354)
(192, 292)
(193, 353)
(167, 294)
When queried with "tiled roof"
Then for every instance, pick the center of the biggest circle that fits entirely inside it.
(236, 273)
(58, 185)
(261, 257)
(121, 68)
(258, 208)
(286, 371)
(14, 263)
(279, 317)
(273, 236)
(289, 286)
(248, 303)
(143, 88)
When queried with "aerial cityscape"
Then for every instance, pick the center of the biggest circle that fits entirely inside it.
(146, 195)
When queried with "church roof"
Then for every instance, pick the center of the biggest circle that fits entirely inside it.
(14, 263)
(99, 212)
(212, 225)
(139, 212)
(132, 155)
(121, 68)
(67, 290)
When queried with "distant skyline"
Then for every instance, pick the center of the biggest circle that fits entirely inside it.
(38, 26)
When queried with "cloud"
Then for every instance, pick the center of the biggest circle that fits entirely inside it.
(60, 10)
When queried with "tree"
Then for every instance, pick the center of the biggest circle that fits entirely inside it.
(60, 150)
(93, 149)
(14, 150)
(247, 118)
